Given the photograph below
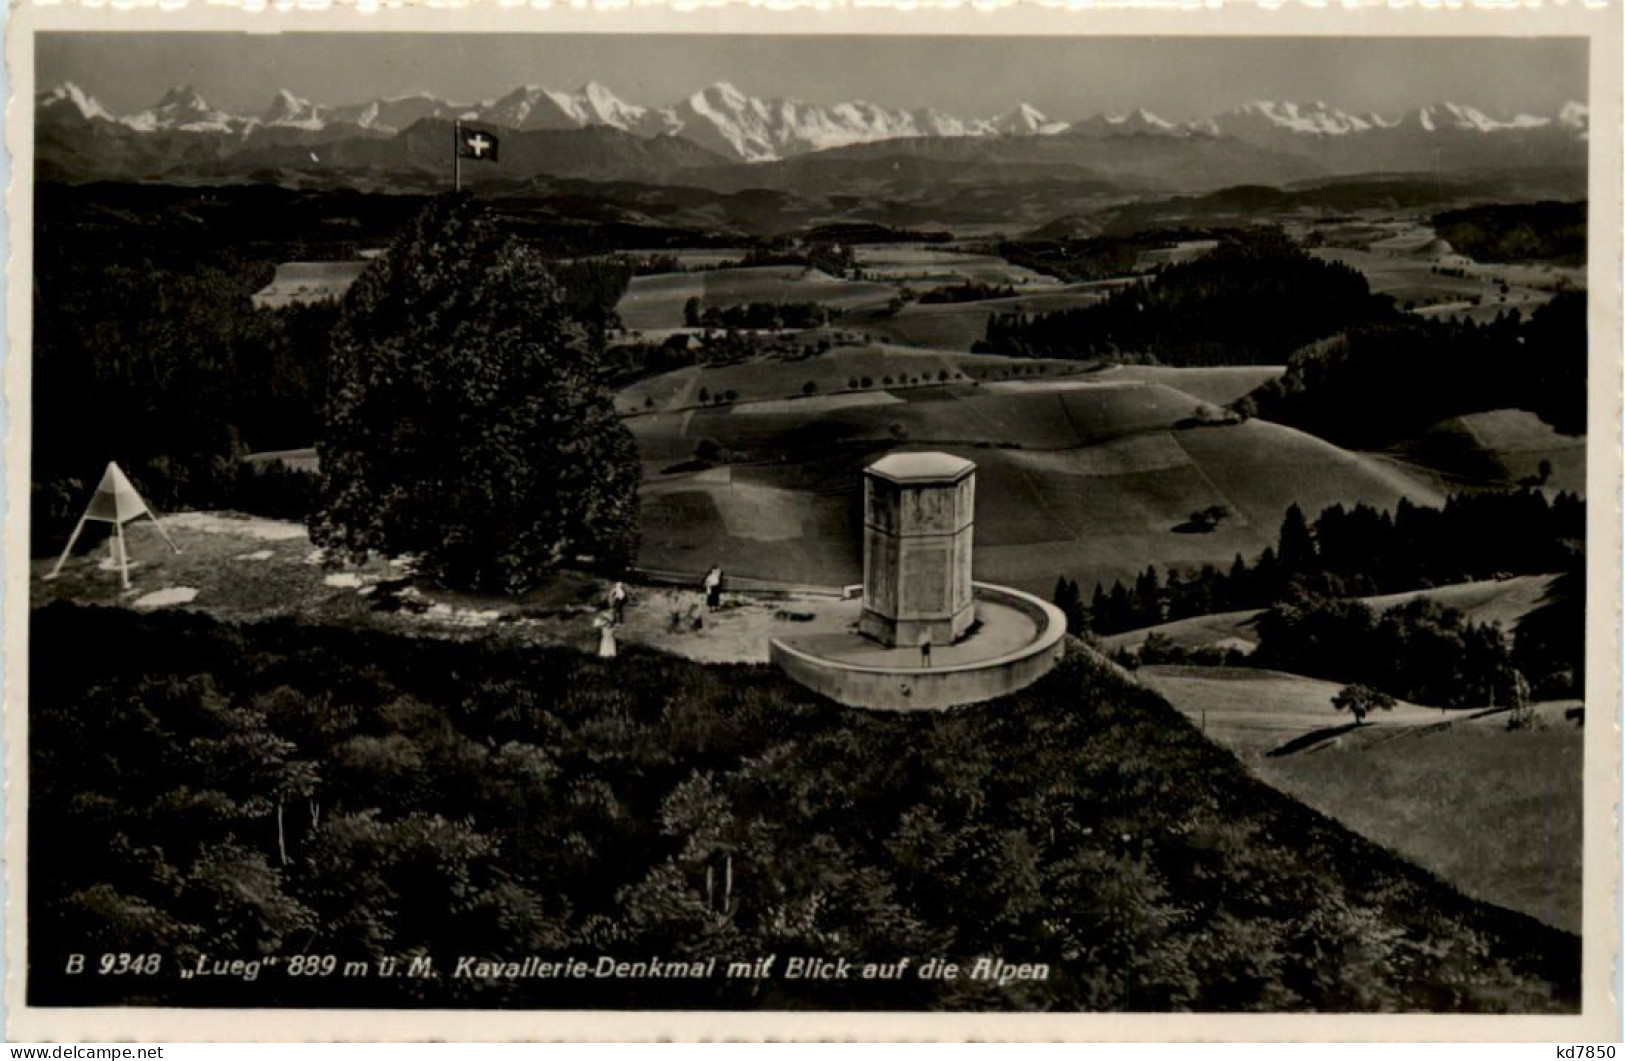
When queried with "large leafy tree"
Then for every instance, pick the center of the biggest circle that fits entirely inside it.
(465, 423)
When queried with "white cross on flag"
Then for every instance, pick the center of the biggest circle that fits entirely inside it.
(476, 144)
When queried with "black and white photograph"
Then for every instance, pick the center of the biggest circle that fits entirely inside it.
(742, 522)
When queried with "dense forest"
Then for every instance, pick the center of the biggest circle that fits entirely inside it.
(1517, 232)
(148, 350)
(242, 792)
(1381, 383)
(1419, 650)
(156, 358)
(1252, 300)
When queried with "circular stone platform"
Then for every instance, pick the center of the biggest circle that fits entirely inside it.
(1016, 640)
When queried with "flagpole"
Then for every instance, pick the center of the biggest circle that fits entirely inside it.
(457, 154)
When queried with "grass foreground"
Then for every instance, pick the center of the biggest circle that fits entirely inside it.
(1497, 811)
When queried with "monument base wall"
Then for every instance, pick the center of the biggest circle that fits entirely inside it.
(906, 633)
(935, 688)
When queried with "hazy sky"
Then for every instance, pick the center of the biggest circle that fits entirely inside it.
(1179, 78)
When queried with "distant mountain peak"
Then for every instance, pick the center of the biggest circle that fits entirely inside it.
(724, 119)
(1316, 118)
(70, 98)
(182, 108)
(289, 110)
(182, 95)
(1025, 120)
(723, 92)
(1140, 118)
(1136, 122)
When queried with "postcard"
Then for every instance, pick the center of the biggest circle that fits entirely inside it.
(1026, 523)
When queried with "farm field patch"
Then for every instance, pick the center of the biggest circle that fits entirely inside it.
(657, 301)
(1496, 812)
(1411, 281)
(959, 325)
(871, 368)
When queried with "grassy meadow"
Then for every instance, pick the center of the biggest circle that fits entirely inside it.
(1493, 810)
(1087, 475)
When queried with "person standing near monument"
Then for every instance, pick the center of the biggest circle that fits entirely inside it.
(617, 602)
(606, 636)
(713, 588)
(925, 649)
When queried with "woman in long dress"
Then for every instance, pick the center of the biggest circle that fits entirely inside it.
(606, 636)
(713, 588)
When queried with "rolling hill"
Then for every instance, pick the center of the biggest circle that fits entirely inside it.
(1085, 476)
(1503, 446)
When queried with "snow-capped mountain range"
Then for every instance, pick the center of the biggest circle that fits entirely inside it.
(746, 128)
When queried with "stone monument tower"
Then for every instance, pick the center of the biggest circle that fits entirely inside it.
(919, 511)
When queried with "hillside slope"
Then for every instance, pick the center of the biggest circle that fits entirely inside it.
(1085, 476)
(1501, 447)
(1495, 811)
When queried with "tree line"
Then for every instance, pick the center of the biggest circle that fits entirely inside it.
(1079, 260)
(1361, 552)
(826, 255)
(966, 291)
(758, 315)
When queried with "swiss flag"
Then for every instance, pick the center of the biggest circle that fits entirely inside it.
(476, 144)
